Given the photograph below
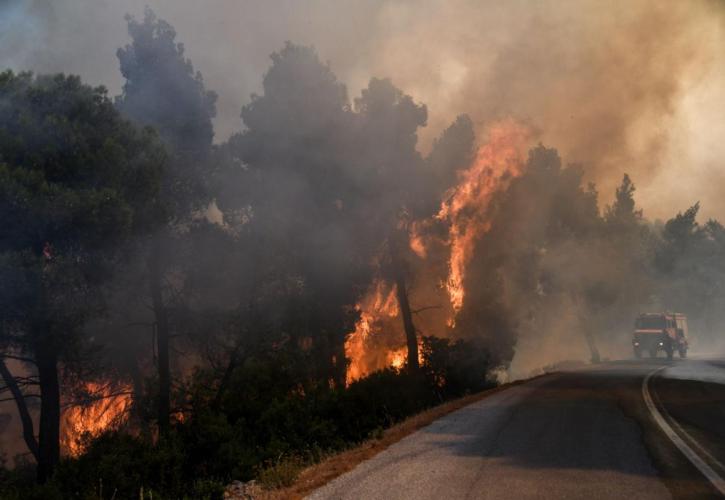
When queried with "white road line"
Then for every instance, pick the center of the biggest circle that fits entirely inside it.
(682, 432)
(717, 481)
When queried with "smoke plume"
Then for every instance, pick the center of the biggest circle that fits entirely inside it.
(623, 86)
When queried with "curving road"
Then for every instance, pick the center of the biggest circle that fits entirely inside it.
(587, 433)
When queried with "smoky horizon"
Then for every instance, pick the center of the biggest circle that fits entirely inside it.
(623, 88)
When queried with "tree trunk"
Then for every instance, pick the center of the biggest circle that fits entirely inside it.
(583, 324)
(162, 340)
(226, 378)
(49, 435)
(137, 408)
(340, 368)
(25, 418)
(403, 303)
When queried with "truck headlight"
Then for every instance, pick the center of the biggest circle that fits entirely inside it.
(661, 344)
(636, 344)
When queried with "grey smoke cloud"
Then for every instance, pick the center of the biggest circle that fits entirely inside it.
(618, 86)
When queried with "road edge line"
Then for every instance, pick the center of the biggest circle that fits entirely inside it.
(688, 438)
(712, 476)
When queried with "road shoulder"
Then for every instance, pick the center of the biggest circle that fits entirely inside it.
(679, 475)
(338, 464)
(695, 410)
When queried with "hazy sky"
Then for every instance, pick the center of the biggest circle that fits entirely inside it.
(628, 86)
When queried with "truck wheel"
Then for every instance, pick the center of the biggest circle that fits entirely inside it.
(670, 352)
(683, 352)
(637, 353)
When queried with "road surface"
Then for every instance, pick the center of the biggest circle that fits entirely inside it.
(587, 433)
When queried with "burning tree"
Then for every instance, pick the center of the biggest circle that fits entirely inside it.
(389, 120)
(74, 181)
(446, 197)
(305, 212)
(163, 91)
(95, 408)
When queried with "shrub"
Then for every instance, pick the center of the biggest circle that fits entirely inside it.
(267, 425)
(124, 464)
(280, 473)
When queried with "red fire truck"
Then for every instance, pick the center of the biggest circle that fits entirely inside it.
(654, 332)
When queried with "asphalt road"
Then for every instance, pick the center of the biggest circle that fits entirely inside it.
(580, 434)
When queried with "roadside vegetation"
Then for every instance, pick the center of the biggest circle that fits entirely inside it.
(269, 431)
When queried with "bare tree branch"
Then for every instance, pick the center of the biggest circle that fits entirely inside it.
(18, 358)
(25, 418)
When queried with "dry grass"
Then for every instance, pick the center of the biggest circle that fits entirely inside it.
(319, 474)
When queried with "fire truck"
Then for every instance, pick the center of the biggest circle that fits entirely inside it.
(654, 332)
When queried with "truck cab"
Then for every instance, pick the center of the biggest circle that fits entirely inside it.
(654, 332)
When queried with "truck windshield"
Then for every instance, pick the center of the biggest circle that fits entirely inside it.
(650, 323)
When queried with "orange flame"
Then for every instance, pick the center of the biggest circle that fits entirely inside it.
(398, 357)
(108, 408)
(377, 342)
(379, 302)
(496, 163)
(417, 245)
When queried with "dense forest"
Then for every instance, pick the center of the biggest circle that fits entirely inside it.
(177, 313)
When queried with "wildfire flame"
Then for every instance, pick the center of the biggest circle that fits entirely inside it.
(416, 243)
(107, 408)
(464, 207)
(377, 342)
(379, 302)
(398, 357)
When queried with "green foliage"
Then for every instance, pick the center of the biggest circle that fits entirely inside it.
(457, 367)
(690, 267)
(623, 213)
(118, 466)
(308, 209)
(72, 170)
(76, 180)
(163, 90)
(268, 427)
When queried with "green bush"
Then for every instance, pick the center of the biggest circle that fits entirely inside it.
(124, 464)
(267, 425)
(456, 368)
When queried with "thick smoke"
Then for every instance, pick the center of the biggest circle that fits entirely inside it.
(624, 86)
(609, 84)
